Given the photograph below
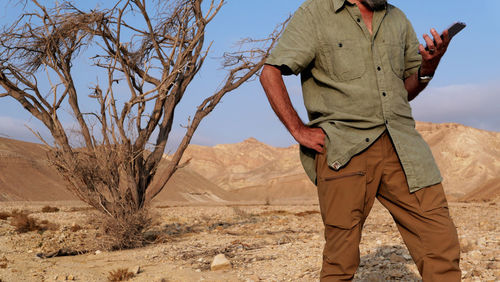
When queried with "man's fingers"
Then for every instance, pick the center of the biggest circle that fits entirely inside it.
(423, 52)
(437, 38)
(318, 149)
(430, 44)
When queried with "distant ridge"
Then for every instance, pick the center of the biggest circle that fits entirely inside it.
(255, 172)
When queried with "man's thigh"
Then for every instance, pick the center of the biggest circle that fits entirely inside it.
(342, 193)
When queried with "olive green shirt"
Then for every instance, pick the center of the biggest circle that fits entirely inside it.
(353, 83)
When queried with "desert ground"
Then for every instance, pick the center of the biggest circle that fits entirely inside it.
(249, 201)
(262, 242)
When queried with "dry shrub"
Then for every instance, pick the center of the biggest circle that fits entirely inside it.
(305, 213)
(75, 228)
(15, 212)
(50, 209)
(47, 225)
(242, 214)
(121, 274)
(24, 223)
(3, 262)
(125, 231)
(4, 215)
(274, 212)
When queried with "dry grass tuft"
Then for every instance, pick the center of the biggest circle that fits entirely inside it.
(4, 215)
(3, 262)
(305, 213)
(75, 228)
(121, 274)
(125, 231)
(50, 209)
(24, 223)
(242, 214)
(274, 212)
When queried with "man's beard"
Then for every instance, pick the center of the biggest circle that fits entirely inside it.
(375, 5)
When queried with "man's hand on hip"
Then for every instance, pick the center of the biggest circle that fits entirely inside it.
(432, 56)
(313, 138)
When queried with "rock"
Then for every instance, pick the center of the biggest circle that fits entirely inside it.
(396, 259)
(220, 262)
(374, 277)
(475, 256)
(407, 256)
(476, 273)
(136, 270)
(396, 273)
(493, 265)
(253, 278)
(466, 245)
(70, 277)
(98, 252)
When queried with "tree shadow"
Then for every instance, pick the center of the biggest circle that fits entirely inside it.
(387, 263)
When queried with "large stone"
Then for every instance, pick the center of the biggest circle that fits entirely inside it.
(396, 259)
(220, 262)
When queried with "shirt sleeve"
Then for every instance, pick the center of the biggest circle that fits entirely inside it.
(296, 48)
(412, 58)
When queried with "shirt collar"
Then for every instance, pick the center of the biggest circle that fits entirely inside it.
(339, 4)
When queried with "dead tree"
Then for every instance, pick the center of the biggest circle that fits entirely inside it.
(156, 58)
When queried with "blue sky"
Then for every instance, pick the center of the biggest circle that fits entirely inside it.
(466, 88)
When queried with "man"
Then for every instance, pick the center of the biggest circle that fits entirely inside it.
(360, 63)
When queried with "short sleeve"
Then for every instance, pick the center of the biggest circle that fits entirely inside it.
(296, 47)
(412, 58)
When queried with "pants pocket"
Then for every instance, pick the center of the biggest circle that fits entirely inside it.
(342, 198)
(431, 198)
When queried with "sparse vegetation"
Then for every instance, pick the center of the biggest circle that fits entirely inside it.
(155, 56)
(3, 263)
(120, 274)
(48, 209)
(75, 228)
(305, 213)
(4, 215)
(125, 231)
(23, 223)
(240, 213)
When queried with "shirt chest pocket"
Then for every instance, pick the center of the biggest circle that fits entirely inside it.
(344, 59)
(396, 55)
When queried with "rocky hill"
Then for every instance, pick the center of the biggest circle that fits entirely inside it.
(252, 171)
(469, 160)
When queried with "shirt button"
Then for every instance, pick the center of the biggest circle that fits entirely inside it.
(379, 68)
(367, 139)
(384, 94)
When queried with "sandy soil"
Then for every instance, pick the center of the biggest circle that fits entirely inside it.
(270, 243)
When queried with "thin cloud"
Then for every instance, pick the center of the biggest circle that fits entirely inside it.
(475, 105)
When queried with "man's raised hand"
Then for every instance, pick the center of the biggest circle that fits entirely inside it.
(436, 50)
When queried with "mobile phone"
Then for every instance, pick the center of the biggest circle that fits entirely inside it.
(452, 31)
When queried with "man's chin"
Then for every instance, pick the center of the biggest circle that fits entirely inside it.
(375, 5)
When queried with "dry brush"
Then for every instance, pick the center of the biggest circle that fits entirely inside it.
(155, 49)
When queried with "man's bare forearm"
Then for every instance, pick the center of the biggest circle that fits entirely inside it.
(278, 97)
(274, 86)
(413, 86)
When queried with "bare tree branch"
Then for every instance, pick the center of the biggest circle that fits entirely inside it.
(155, 56)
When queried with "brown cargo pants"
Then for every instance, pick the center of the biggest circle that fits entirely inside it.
(346, 197)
